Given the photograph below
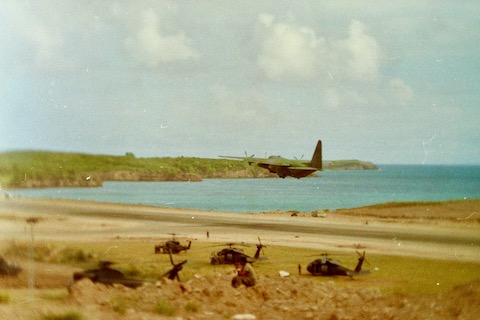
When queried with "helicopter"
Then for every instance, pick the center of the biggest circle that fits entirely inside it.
(172, 246)
(326, 266)
(172, 274)
(232, 255)
(106, 275)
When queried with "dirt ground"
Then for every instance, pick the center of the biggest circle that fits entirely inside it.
(431, 230)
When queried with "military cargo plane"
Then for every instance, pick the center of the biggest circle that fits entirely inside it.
(286, 167)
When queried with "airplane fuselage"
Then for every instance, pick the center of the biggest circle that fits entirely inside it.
(285, 171)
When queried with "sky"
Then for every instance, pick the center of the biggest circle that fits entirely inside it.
(391, 83)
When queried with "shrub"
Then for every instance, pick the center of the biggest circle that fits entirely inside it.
(192, 307)
(122, 302)
(71, 255)
(41, 252)
(56, 295)
(119, 306)
(132, 271)
(4, 298)
(70, 315)
(163, 308)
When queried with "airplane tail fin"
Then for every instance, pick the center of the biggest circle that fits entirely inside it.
(317, 156)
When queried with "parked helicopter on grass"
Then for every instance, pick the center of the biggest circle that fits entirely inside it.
(106, 275)
(172, 246)
(326, 266)
(232, 255)
(109, 276)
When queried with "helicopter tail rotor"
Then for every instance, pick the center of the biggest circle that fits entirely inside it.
(172, 274)
(260, 249)
(362, 257)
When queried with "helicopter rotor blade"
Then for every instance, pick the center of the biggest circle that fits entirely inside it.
(359, 246)
(223, 245)
(171, 258)
(362, 255)
(166, 273)
(326, 254)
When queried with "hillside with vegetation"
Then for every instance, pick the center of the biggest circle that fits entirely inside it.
(38, 169)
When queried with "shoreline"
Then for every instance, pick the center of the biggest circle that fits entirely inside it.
(395, 229)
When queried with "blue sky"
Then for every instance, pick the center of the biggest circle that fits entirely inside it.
(382, 82)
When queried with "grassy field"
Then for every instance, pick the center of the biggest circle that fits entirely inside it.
(136, 258)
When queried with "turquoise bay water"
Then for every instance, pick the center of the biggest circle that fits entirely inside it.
(332, 190)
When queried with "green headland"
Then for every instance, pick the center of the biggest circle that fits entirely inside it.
(40, 169)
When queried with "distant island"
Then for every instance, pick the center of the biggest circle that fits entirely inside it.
(39, 169)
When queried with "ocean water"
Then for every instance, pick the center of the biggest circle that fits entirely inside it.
(331, 190)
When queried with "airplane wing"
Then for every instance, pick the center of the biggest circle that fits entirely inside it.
(250, 160)
(238, 158)
(303, 168)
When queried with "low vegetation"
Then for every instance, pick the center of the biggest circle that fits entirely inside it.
(121, 302)
(49, 253)
(69, 315)
(398, 287)
(192, 307)
(4, 298)
(33, 169)
(136, 259)
(402, 204)
(164, 308)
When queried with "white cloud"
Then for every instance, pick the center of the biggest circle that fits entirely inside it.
(288, 50)
(399, 91)
(243, 108)
(363, 53)
(45, 42)
(291, 51)
(227, 112)
(331, 98)
(41, 32)
(151, 47)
